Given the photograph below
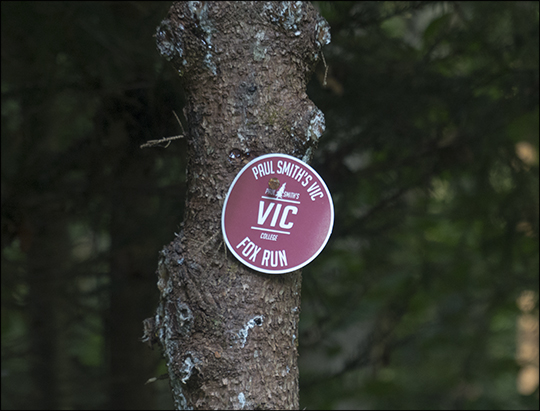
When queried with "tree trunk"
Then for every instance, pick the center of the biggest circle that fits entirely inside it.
(229, 333)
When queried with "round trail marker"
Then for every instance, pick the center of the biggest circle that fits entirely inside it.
(278, 214)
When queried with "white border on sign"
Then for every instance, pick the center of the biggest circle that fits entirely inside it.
(231, 248)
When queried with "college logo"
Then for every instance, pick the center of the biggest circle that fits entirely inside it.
(278, 214)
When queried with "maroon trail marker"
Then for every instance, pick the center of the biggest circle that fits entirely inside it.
(278, 214)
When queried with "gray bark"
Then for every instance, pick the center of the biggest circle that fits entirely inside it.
(229, 334)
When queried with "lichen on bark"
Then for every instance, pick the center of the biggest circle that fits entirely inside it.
(228, 332)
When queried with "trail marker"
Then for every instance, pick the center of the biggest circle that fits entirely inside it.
(278, 214)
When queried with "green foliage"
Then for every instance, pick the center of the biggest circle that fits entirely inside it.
(82, 88)
(431, 153)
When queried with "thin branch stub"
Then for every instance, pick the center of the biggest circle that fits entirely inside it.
(152, 143)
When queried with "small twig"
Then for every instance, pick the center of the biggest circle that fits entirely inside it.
(179, 122)
(152, 143)
(325, 69)
(154, 379)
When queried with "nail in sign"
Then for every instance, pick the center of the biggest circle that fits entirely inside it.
(278, 214)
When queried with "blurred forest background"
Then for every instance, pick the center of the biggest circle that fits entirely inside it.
(426, 295)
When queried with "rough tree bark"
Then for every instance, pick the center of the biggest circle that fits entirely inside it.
(229, 334)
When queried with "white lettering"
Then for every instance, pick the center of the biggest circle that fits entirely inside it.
(276, 215)
(274, 258)
(315, 191)
(300, 174)
(292, 209)
(242, 242)
(313, 187)
(296, 167)
(260, 167)
(263, 215)
(266, 256)
(255, 252)
(273, 262)
(250, 248)
(270, 237)
(285, 168)
(282, 258)
(263, 169)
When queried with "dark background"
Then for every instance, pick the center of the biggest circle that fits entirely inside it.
(426, 295)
